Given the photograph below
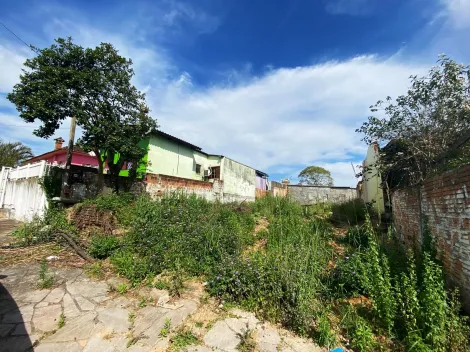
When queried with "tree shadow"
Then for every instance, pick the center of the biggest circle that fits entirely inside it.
(14, 336)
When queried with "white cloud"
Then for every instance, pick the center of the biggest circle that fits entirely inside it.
(11, 62)
(299, 116)
(458, 12)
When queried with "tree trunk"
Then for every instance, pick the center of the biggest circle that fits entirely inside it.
(100, 170)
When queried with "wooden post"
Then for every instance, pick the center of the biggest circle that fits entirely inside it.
(67, 174)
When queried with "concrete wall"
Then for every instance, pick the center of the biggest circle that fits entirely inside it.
(444, 201)
(309, 195)
(170, 158)
(371, 191)
(239, 181)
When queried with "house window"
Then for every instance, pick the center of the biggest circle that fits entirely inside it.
(198, 169)
(215, 172)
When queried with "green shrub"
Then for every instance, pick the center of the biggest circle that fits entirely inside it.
(187, 230)
(282, 283)
(362, 337)
(351, 212)
(102, 246)
(325, 335)
(119, 204)
(350, 276)
(131, 266)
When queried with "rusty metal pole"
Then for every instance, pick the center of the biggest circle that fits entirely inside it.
(67, 174)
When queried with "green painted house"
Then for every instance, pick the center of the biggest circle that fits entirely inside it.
(174, 157)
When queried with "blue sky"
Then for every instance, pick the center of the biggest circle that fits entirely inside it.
(277, 85)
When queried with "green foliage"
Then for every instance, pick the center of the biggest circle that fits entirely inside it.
(32, 232)
(351, 275)
(456, 326)
(176, 282)
(102, 246)
(44, 229)
(379, 284)
(93, 85)
(161, 285)
(95, 270)
(45, 279)
(315, 176)
(427, 127)
(352, 212)
(51, 184)
(14, 153)
(282, 283)
(247, 342)
(131, 266)
(122, 288)
(61, 322)
(183, 338)
(165, 330)
(119, 204)
(325, 335)
(362, 337)
(433, 302)
(186, 231)
(294, 274)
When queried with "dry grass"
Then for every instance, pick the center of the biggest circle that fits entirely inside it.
(36, 253)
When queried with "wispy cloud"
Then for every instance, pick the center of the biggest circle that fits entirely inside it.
(458, 12)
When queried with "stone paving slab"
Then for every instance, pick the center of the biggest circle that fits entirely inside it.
(99, 320)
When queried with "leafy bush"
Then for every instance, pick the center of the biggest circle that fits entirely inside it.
(362, 337)
(282, 283)
(102, 246)
(351, 212)
(187, 230)
(130, 265)
(44, 229)
(119, 204)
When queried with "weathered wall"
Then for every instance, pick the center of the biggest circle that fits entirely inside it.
(445, 202)
(157, 185)
(278, 189)
(309, 195)
(372, 192)
(239, 181)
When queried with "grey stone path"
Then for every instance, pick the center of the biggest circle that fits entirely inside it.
(97, 320)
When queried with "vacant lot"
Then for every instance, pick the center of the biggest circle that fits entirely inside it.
(324, 273)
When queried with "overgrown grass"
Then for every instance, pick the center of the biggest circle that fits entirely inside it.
(299, 278)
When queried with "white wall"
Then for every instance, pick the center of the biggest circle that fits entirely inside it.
(239, 181)
(21, 195)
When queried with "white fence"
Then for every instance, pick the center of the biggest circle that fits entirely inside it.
(20, 192)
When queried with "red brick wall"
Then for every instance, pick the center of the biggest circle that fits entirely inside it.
(158, 184)
(446, 204)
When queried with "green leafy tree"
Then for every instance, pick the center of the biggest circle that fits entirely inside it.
(13, 154)
(93, 85)
(428, 127)
(315, 176)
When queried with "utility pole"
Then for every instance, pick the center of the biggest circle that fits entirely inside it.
(67, 174)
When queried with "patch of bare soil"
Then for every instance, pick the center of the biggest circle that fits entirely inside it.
(204, 318)
(261, 225)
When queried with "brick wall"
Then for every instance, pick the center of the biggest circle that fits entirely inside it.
(445, 202)
(157, 185)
